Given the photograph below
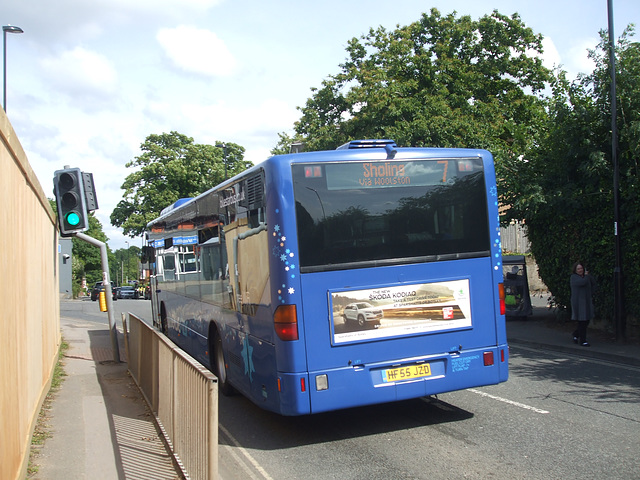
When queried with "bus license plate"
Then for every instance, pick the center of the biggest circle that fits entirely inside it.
(406, 373)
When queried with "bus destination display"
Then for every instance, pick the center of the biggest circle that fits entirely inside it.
(394, 174)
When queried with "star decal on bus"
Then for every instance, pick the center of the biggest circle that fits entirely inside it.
(247, 356)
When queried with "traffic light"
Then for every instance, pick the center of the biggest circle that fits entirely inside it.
(68, 188)
(89, 191)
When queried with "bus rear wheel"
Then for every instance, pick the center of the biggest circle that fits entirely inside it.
(220, 367)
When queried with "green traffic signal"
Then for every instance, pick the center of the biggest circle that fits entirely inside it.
(73, 219)
(68, 188)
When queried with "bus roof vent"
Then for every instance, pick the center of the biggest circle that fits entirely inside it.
(388, 145)
(175, 205)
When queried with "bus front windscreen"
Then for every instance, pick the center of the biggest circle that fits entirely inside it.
(359, 214)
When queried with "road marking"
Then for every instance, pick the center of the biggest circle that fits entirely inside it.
(510, 402)
(247, 455)
(239, 462)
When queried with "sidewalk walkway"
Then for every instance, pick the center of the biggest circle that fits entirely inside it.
(542, 330)
(99, 422)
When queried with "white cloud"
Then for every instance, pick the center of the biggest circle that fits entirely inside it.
(270, 113)
(550, 55)
(80, 71)
(579, 61)
(197, 50)
(575, 58)
(255, 127)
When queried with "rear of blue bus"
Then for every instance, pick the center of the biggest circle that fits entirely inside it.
(386, 267)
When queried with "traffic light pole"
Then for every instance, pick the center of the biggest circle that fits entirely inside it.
(106, 281)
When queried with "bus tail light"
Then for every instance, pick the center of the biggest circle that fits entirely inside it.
(488, 359)
(503, 305)
(285, 321)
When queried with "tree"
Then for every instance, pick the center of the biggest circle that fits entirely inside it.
(566, 194)
(171, 167)
(284, 143)
(126, 264)
(442, 81)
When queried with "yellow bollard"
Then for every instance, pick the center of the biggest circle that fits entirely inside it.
(103, 301)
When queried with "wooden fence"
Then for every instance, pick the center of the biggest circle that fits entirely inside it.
(29, 294)
(514, 239)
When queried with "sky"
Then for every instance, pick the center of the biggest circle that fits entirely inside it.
(88, 81)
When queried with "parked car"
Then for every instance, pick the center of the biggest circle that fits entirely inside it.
(97, 288)
(365, 314)
(128, 291)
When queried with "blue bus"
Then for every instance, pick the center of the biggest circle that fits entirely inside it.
(325, 280)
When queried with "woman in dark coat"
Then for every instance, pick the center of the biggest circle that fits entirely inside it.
(582, 288)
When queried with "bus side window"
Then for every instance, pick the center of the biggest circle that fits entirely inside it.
(188, 263)
(213, 262)
(169, 264)
(208, 262)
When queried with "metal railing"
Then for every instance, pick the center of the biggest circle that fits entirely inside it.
(182, 394)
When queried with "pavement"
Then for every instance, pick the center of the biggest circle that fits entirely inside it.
(99, 423)
(102, 428)
(543, 330)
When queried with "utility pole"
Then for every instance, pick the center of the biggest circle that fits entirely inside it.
(617, 270)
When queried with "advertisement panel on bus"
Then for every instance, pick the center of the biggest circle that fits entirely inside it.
(400, 310)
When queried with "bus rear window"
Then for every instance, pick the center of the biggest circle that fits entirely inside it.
(370, 213)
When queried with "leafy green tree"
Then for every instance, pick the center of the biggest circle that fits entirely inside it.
(284, 143)
(443, 81)
(126, 264)
(171, 167)
(566, 194)
(77, 274)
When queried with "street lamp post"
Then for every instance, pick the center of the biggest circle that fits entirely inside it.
(5, 29)
(127, 262)
(618, 293)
